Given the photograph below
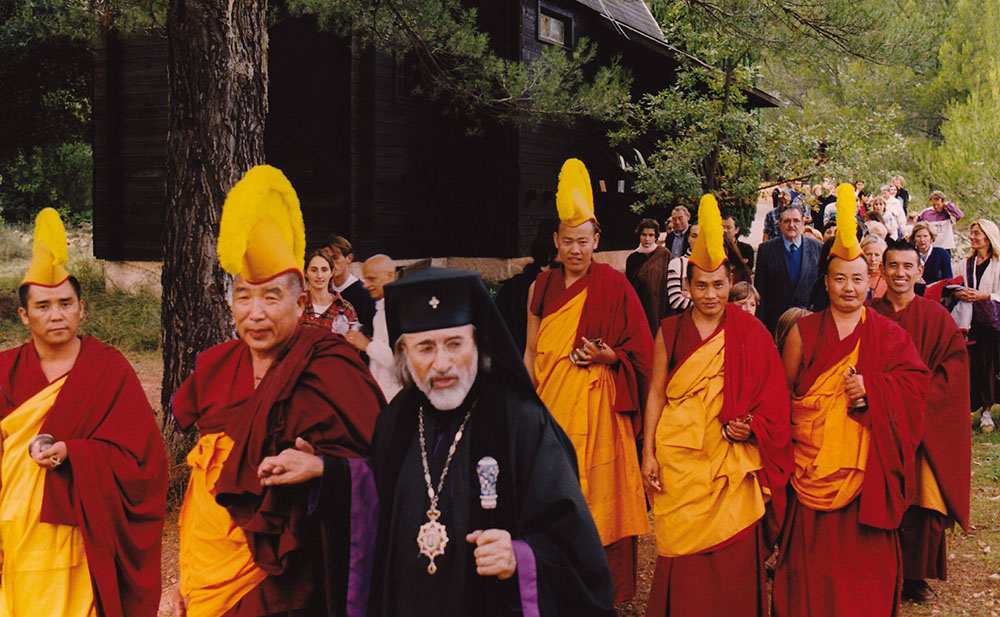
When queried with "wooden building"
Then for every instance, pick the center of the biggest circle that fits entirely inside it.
(371, 160)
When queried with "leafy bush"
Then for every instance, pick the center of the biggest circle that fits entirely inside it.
(60, 176)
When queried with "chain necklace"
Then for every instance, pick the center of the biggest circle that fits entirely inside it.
(433, 536)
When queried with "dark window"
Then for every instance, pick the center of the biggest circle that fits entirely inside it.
(554, 27)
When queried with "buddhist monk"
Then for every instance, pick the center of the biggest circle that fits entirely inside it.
(589, 351)
(249, 545)
(944, 459)
(858, 386)
(717, 445)
(84, 473)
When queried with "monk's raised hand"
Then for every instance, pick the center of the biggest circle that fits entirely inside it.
(651, 473)
(737, 430)
(51, 457)
(494, 553)
(292, 466)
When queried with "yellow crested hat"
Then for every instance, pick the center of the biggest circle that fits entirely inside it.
(709, 252)
(575, 197)
(49, 252)
(845, 244)
(261, 234)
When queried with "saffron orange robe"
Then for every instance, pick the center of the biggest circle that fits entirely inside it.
(598, 406)
(944, 459)
(93, 526)
(854, 470)
(707, 517)
(247, 550)
(45, 569)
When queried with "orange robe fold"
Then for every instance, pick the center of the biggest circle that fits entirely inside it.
(45, 570)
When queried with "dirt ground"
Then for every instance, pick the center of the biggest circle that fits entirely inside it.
(972, 588)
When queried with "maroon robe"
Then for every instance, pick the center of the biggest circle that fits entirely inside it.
(692, 584)
(319, 390)
(113, 485)
(947, 438)
(846, 562)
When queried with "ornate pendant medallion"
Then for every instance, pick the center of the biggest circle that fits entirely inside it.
(432, 539)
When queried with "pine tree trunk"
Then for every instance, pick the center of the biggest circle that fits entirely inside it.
(218, 102)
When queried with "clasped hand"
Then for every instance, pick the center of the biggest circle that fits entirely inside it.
(494, 553)
(854, 385)
(52, 456)
(291, 466)
(590, 353)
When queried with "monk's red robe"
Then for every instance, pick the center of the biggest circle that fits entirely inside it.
(946, 445)
(605, 446)
(844, 562)
(728, 579)
(113, 484)
(319, 390)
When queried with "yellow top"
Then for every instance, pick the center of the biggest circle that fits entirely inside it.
(709, 251)
(261, 233)
(581, 399)
(45, 568)
(710, 486)
(831, 449)
(217, 569)
(575, 197)
(846, 245)
(49, 252)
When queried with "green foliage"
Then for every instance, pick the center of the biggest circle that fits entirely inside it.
(60, 176)
(460, 69)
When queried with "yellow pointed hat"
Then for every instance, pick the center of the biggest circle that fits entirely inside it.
(709, 251)
(575, 197)
(261, 234)
(845, 244)
(49, 252)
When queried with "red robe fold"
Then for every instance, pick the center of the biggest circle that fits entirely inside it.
(319, 390)
(114, 483)
(896, 380)
(750, 365)
(613, 313)
(947, 438)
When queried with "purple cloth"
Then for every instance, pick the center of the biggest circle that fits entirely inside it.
(932, 215)
(364, 520)
(527, 578)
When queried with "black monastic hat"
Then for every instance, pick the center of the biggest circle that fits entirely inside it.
(436, 298)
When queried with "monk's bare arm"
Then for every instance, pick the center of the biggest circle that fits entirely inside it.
(791, 357)
(655, 401)
(531, 339)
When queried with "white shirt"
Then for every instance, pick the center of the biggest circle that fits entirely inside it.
(351, 279)
(380, 358)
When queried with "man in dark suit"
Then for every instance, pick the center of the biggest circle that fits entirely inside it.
(786, 268)
(731, 226)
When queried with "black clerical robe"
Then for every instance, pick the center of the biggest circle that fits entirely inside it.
(561, 566)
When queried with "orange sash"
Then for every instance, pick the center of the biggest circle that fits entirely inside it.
(216, 566)
(830, 448)
(710, 487)
(582, 401)
(45, 568)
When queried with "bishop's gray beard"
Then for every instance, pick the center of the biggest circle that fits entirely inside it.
(446, 399)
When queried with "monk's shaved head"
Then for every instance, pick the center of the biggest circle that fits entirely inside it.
(377, 272)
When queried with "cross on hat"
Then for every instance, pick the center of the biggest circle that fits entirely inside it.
(434, 302)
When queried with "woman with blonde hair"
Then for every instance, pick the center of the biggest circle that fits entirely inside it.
(982, 294)
(873, 248)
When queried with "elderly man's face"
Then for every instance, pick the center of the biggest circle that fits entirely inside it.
(791, 224)
(267, 313)
(679, 218)
(443, 363)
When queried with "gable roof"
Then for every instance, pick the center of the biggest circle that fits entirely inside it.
(632, 13)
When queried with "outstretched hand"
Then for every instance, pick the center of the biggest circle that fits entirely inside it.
(291, 466)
